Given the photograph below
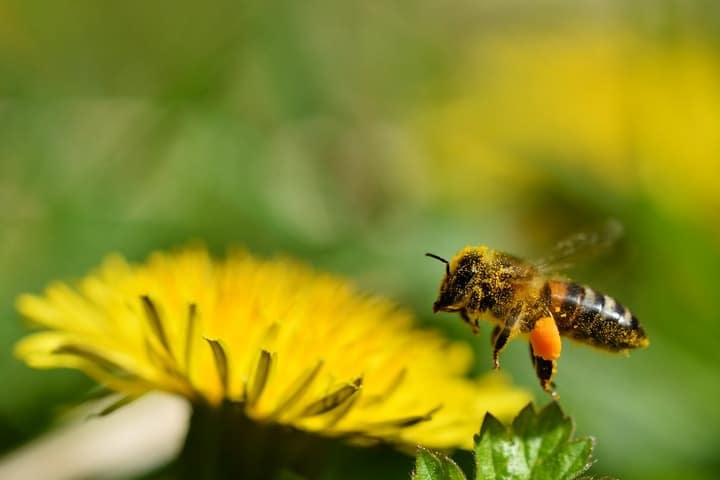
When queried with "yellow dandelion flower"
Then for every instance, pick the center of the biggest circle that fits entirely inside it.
(289, 345)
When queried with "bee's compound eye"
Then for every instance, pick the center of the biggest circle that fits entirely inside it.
(463, 277)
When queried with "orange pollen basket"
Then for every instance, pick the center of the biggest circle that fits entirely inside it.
(545, 339)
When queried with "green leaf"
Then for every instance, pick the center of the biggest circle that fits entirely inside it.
(538, 446)
(435, 466)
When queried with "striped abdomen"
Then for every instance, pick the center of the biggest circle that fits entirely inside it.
(587, 315)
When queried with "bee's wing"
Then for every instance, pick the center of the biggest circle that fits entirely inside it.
(581, 245)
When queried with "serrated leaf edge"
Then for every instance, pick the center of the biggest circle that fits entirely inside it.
(548, 411)
(437, 456)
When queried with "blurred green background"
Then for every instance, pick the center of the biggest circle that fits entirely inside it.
(359, 136)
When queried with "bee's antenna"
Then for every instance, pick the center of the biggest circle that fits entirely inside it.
(437, 257)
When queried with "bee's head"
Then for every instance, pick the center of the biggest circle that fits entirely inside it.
(457, 283)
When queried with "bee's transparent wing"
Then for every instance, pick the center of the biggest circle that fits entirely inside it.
(581, 245)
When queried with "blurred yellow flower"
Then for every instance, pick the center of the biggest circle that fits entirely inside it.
(292, 346)
(599, 102)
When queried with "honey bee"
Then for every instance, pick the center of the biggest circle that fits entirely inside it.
(523, 298)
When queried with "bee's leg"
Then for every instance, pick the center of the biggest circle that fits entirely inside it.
(544, 369)
(499, 339)
(502, 333)
(545, 347)
(474, 325)
(545, 338)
